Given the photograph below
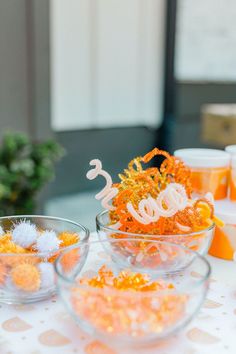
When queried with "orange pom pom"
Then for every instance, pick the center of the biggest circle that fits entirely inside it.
(68, 238)
(70, 259)
(26, 277)
(3, 273)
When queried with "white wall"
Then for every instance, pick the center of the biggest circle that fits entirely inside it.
(14, 78)
(107, 61)
(206, 40)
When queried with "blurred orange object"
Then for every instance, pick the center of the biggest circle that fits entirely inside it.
(224, 240)
(221, 246)
(26, 277)
(69, 259)
(232, 185)
(68, 238)
(209, 170)
(214, 180)
(3, 273)
(109, 303)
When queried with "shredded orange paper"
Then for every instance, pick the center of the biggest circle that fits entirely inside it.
(112, 303)
(138, 183)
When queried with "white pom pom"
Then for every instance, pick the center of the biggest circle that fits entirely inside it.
(1, 231)
(47, 242)
(24, 234)
(10, 286)
(47, 275)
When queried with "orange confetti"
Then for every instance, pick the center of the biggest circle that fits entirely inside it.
(115, 307)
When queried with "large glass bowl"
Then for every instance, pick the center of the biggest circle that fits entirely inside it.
(30, 277)
(199, 241)
(128, 317)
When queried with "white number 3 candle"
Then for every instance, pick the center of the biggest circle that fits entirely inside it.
(108, 192)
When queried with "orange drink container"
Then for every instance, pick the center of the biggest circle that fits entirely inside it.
(232, 179)
(224, 241)
(209, 170)
(231, 149)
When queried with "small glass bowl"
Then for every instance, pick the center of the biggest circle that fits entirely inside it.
(128, 317)
(199, 241)
(30, 277)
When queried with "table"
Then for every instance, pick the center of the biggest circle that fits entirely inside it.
(46, 328)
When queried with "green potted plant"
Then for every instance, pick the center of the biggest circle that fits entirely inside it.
(25, 167)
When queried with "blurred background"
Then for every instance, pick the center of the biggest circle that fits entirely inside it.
(111, 79)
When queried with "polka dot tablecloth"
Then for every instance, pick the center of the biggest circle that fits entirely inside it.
(46, 328)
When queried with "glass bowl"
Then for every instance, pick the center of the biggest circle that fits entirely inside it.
(120, 314)
(199, 241)
(30, 277)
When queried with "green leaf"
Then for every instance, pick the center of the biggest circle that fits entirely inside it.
(25, 167)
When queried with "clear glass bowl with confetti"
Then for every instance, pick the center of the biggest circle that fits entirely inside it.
(198, 241)
(29, 246)
(135, 303)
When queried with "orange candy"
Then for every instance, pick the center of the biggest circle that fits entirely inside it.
(126, 280)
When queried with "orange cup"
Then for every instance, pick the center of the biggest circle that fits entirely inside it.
(232, 184)
(209, 170)
(224, 241)
(232, 180)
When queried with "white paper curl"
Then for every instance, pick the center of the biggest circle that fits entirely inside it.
(169, 201)
(108, 192)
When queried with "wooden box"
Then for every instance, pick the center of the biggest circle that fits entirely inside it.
(219, 124)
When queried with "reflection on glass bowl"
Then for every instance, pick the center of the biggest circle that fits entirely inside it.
(132, 298)
(27, 275)
(197, 241)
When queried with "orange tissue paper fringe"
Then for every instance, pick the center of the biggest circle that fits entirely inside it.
(138, 183)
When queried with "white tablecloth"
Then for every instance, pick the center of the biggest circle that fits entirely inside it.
(46, 328)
